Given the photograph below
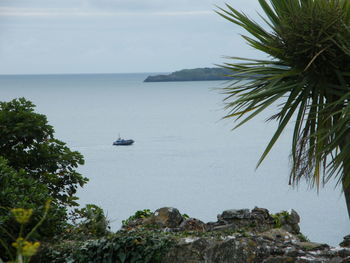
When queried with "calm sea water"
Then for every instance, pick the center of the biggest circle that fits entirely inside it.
(184, 156)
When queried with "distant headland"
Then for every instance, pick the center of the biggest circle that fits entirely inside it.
(197, 74)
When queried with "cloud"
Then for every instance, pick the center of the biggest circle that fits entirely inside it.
(67, 36)
(105, 8)
(47, 12)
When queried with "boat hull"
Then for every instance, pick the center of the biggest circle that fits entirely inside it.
(123, 142)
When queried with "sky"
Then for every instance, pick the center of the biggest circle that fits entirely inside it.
(117, 36)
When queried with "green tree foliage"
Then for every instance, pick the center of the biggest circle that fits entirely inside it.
(27, 142)
(34, 167)
(308, 75)
(18, 190)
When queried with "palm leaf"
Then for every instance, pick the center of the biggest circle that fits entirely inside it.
(309, 47)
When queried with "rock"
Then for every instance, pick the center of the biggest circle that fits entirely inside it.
(344, 252)
(239, 236)
(193, 224)
(166, 217)
(308, 246)
(279, 259)
(278, 234)
(253, 239)
(229, 215)
(310, 259)
(295, 229)
(345, 242)
(292, 222)
(294, 217)
(261, 213)
(188, 250)
(339, 260)
(228, 227)
(288, 221)
(257, 220)
(233, 250)
(249, 249)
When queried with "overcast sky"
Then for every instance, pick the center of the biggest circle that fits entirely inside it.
(116, 36)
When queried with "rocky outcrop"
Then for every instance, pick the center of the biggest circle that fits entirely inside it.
(254, 248)
(345, 242)
(241, 236)
(257, 220)
(193, 224)
(166, 217)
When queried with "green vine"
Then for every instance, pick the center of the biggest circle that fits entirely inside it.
(138, 215)
(122, 247)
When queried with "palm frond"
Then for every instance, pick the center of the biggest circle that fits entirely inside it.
(309, 47)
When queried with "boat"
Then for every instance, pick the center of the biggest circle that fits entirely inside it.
(121, 141)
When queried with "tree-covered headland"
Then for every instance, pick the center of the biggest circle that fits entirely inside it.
(197, 74)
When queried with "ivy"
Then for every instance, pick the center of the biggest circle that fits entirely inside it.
(122, 247)
(138, 215)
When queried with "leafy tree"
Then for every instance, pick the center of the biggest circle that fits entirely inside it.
(308, 74)
(27, 142)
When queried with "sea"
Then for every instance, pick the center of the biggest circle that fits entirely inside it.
(185, 154)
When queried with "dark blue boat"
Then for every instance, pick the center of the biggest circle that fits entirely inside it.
(121, 141)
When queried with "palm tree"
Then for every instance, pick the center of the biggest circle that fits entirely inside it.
(307, 76)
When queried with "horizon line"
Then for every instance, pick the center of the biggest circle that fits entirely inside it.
(83, 73)
(101, 73)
